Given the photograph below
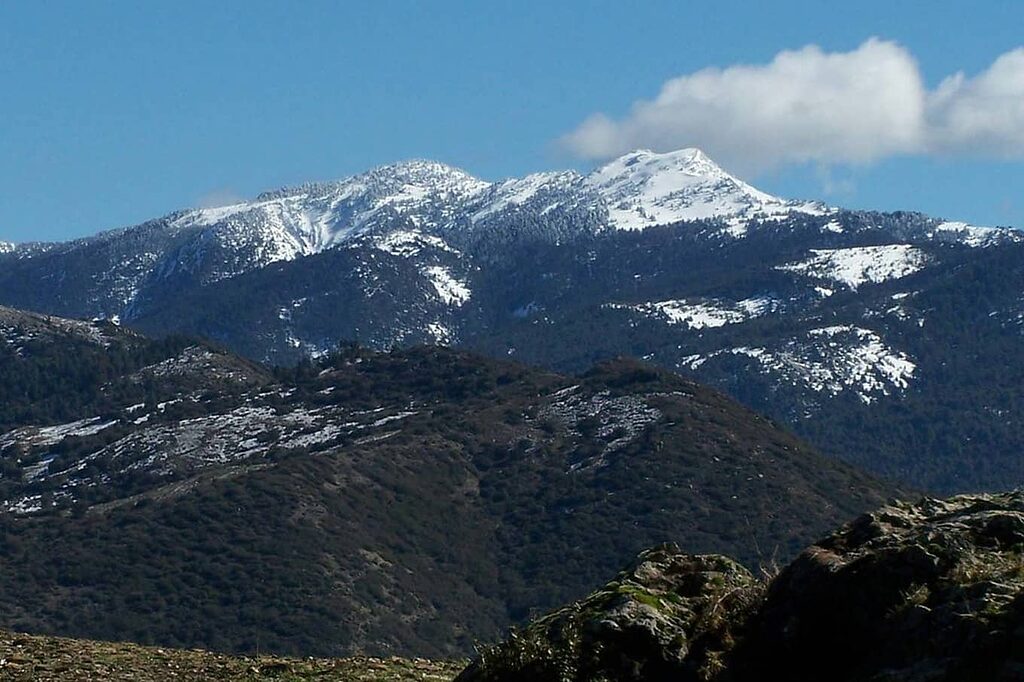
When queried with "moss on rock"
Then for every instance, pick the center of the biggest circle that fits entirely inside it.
(914, 592)
(668, 616)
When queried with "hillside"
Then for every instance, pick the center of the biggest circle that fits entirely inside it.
(408, 502)
(836, 323)
(930, 590)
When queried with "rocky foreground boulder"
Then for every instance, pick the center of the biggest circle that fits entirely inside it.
(913, 592)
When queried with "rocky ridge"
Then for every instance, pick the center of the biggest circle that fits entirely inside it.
(913, 592)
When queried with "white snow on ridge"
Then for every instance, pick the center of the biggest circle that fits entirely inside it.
(639, 189)
(645, 188)
(831, 360)
(241, 435)
(703, 314)
(18, 327)
(449, 289)
(408, 243)
(972, 235)
(312, 218)
(43, 436)
(7, 247)
(517, 192)
(212, 216)
(857, 265)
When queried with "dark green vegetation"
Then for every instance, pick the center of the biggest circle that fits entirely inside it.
(955, 426)
(562, 290)
(25, 658)
(958, 424)
(405, 502)
(54, 370)
(932, 591)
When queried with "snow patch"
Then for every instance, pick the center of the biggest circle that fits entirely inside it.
(972, 235)
(617, 420)
(449, 289)
(407, 243)
(857, 265)
(441, 334)
(704, 314)
(830, 360)
(45, 436)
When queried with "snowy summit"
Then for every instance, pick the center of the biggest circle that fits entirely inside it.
(644, 188)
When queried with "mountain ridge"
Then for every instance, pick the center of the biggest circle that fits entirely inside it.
(636, 191)
(419, 177)
(822, 317)
(407, 501)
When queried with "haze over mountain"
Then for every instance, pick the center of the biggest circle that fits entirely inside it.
(841, 323)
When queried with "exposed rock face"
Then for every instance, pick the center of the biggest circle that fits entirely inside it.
(666, 617)
(911, 592)
(917, 592)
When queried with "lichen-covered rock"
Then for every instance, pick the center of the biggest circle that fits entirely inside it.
(668, 616)
(911, 592)
(926, 592)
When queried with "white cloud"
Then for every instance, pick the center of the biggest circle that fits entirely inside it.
(809, 105)
(983, 115)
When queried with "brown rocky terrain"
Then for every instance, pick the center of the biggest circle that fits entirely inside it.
(46, 659)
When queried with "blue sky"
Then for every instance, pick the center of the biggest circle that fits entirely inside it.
(114, 112)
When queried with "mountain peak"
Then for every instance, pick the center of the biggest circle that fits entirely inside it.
(424, 171)
(645, 188)
(690, 160)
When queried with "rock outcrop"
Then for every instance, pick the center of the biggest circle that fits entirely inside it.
(914, 592)
(668, 616)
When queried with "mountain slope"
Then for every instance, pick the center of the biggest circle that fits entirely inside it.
(407, 502)
(837, 323)
(862, 335)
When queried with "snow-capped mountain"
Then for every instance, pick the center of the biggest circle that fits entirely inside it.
(127, 272)
(644, 188)
(817, 315)
(638, 190)
(315, 217)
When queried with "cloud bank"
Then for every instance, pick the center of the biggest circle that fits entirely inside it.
(809, 105)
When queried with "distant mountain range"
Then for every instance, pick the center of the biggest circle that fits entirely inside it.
(889, 339)
(408, 502)
(402, 207)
